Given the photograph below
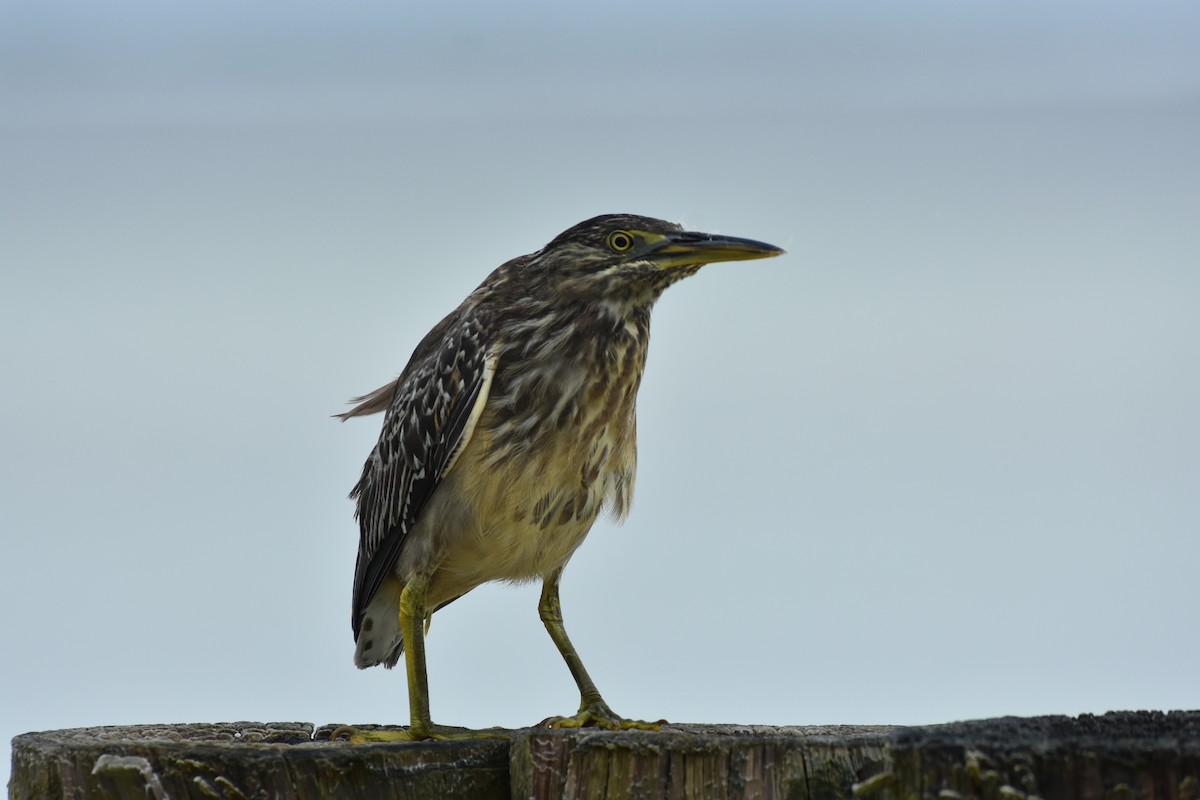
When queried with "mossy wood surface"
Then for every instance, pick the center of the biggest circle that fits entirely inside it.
(1114, 756)
(1118, 755)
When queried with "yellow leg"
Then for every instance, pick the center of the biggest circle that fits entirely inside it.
(412, 626)
(592, 708)
(413, 616)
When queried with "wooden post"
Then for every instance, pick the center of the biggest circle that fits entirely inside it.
(691, 762)
(248, 760)
(1119, 755)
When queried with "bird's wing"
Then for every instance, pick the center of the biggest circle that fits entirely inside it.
(436, 403)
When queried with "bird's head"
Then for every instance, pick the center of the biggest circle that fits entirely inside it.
(624, 252)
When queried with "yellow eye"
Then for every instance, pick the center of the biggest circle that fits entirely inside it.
(620, 241)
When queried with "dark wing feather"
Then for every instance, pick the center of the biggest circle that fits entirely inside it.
(436, 402)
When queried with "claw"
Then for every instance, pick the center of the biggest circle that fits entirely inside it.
(599, 715)
(348, 730)
(418, 733)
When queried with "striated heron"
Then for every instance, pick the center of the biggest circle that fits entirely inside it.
(511, 428)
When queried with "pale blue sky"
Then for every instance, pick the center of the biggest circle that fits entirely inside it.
(942, 461)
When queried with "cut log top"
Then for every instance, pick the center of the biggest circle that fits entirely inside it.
(1116, 755)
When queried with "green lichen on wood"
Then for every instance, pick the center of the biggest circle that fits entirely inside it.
(1122, 756)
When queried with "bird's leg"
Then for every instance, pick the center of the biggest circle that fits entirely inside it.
(413, 616)
(593, 711)
(412, 627)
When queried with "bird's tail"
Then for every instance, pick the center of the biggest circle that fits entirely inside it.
(372, 403)
(380, 640)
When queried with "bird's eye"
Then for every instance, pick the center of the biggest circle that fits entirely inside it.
(620, 241)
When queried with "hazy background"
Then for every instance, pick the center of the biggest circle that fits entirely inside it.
(941, 461)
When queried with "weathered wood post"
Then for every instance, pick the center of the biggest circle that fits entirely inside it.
(1118, 755)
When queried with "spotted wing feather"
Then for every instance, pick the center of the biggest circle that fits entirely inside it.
(436, 402)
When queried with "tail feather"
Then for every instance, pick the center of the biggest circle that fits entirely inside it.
(371, 403)
(380, 640)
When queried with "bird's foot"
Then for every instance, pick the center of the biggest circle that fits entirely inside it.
(597, 714)
(416, 733)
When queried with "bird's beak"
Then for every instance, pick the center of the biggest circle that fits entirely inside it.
(688, 248)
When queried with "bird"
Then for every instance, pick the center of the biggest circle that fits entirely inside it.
(511, 429)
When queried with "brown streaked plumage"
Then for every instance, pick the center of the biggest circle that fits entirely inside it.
(509, 431)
